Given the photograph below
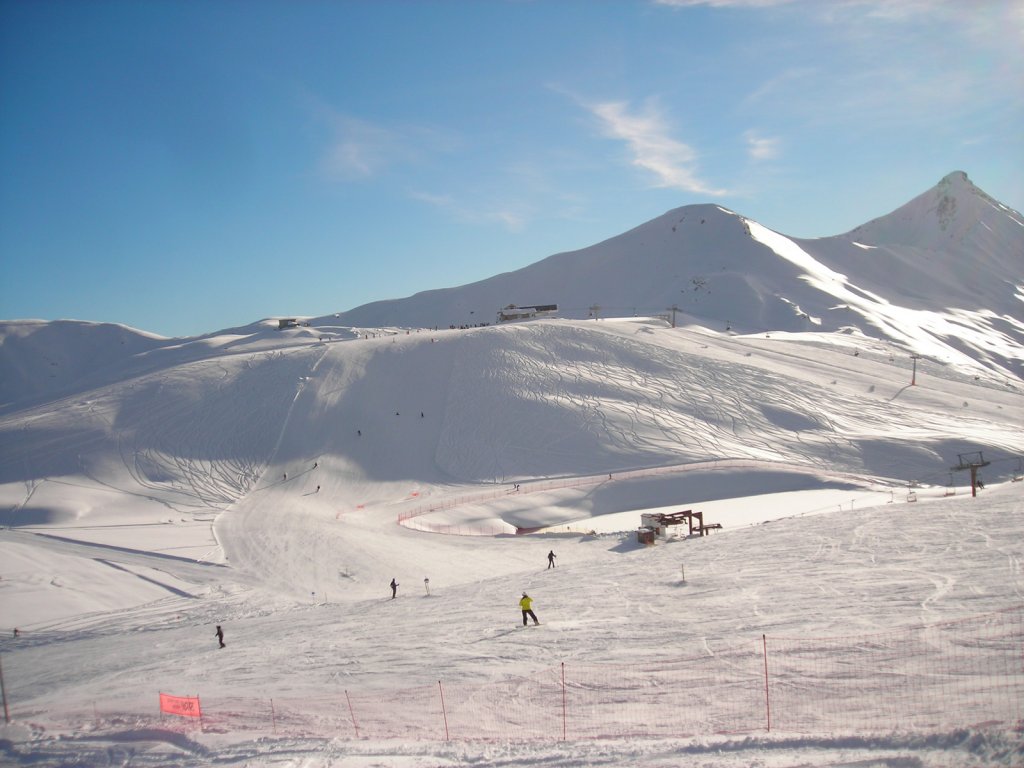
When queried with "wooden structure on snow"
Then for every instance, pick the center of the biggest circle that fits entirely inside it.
(656, 524)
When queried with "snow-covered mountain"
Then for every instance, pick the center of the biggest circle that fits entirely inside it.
(274, 481)
(942, 276)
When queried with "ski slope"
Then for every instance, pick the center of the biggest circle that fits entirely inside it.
(256, 480)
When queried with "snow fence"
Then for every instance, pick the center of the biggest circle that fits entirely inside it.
(959, 674)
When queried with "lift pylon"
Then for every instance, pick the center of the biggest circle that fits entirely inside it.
(973, 462)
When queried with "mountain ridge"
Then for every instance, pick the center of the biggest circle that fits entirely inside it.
(941, 277)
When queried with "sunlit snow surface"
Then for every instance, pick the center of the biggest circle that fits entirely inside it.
(257, 483)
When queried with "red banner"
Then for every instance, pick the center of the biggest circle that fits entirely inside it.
(186, 706)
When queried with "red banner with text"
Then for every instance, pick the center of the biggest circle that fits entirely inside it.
(186, 706)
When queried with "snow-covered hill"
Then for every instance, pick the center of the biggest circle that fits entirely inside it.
(360, 423)
(274, 481)
(258, 486)
(942, 276)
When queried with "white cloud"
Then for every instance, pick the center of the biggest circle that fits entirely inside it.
(360, 149)
(761, 147)
(894, 65)
(652, 148)
(793, 78)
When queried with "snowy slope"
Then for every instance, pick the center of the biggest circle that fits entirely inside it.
(255, 481)
(151, 489)
(940, 276)
(419, 416)
(39, 358)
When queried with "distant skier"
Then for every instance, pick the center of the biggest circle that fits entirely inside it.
(220, 636)
(551, 559)
(394, 589)
(525, 604)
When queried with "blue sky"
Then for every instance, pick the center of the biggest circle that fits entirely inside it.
(183, 167)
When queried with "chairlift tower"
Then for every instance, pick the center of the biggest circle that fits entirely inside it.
(673, 309)
(973, 462)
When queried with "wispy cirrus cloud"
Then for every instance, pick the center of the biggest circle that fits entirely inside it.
(360, 149)
(357, 148)
(761, 147)
(890, 65)
(648, 138)
(512, 219)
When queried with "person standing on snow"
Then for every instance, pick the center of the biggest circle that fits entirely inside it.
(526, 605)
(551, 559)
(394, 589)
(220, 636)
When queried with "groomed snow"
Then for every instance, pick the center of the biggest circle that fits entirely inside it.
(258, 483)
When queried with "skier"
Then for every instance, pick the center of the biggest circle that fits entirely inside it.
(394, 589)
(551, 559)
(220, 636)
(525, 604)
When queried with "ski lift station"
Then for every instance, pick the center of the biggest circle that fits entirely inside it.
(513, 312)
(654, 526)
